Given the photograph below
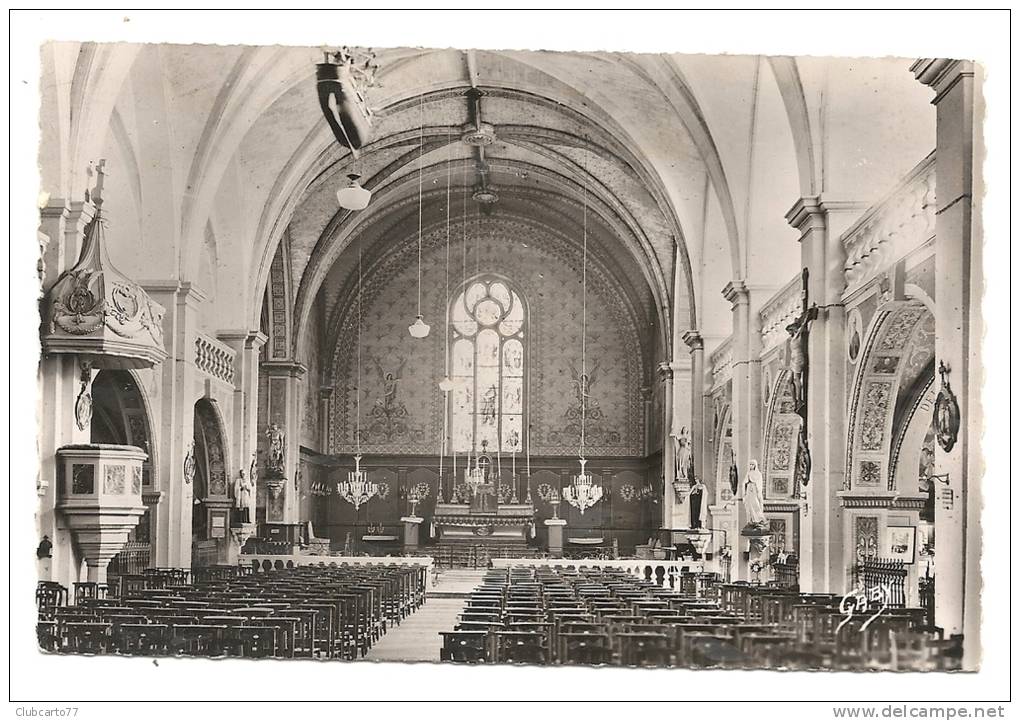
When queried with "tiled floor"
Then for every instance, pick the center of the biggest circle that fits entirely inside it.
(417, 637)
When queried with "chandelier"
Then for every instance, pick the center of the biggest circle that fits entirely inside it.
(357, 489)
(583, 492)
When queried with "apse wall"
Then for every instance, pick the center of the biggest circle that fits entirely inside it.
(544, 268)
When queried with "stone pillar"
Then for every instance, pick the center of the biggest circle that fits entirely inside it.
(247, 344)
(958, 331)
(283, 408)
(668, 454)
(554, 527)
(821, 221)
(174, 430)
(745, 444)
(682, 417)
(696, 345)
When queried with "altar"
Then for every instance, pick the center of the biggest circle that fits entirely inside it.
(479, 517)
(507, 523)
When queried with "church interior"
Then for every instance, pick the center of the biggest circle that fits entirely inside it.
(508, 357)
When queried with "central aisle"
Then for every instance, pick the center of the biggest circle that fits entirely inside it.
(417, 637)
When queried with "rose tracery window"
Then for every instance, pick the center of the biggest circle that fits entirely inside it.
(487, 356)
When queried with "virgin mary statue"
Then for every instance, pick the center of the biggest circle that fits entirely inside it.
(753, 503)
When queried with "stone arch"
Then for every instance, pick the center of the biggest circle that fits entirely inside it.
(122, 415)
(212, 478)
(899, 349)
(914, 447)
(725, 454)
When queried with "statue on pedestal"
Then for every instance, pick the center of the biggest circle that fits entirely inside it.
(753, 502)
(244, 498)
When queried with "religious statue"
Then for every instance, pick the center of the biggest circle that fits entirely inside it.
(734, 474)
(947, 412)
(189, 463)
(244, 497)
(684, 459)
(798, 361)
(798, 349)
(699, 509)
(276, 452)
(753, 503)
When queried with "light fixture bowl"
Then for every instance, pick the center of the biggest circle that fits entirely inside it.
(419, 329)
(353, 197)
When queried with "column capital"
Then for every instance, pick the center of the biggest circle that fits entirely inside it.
(54, 208)
(736, 292)
(693, 340)
(813, 212)
(278, 368)
(247, 339)
(182, 290)
(941, 74)
(325, 392)
(665, 371)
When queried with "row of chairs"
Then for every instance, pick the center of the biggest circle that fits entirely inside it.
(605, 616)
(311, 611)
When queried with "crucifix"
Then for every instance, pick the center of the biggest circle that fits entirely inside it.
(798, 364)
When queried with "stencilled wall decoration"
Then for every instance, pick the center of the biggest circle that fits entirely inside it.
(387, 420)
(781, 437)
(876, 406)
(781, 450)
(596, 429)
(279, 304)
(870, 474)
(539, 269)
(777, 526)
(865, 537)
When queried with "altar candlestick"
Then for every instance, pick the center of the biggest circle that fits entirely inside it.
(513, 470)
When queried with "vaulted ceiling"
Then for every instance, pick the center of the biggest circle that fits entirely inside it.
(685, 163)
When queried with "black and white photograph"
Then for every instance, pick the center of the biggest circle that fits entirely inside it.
(460, 355)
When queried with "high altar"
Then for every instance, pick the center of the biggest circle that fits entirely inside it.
(476, 516)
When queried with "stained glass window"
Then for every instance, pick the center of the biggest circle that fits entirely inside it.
(488, 368)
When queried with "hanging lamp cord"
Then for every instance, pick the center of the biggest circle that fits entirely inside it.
(584, 311)
(357, 437)
(421, 172)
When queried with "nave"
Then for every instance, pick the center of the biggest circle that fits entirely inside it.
(622, 349)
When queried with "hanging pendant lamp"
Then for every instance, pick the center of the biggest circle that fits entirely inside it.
(420, 329)
(353, 197)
